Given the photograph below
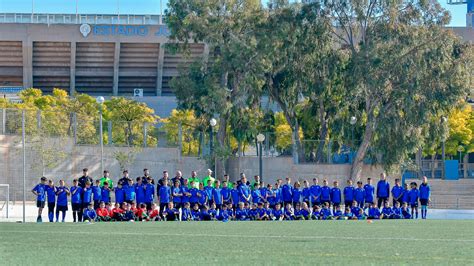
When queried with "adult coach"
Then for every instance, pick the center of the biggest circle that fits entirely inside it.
(194, 179)
(125, 178)
(106, 178)
(209, 178)
(82, 183)
(84, 178)
(383, 190)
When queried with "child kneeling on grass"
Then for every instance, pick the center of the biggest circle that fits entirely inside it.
(89, 213)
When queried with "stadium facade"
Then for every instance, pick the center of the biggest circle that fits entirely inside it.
(97, 54)
(94, 54)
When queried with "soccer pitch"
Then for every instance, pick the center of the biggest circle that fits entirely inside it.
(296, 242)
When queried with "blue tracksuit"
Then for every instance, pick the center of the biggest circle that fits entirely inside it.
(62, 196)
(176, 199)
(369, 193)
(119, 195)
(217, 196)
(336, 195)
(76, 194)
(165, 194)
(235, 195)
(149, 192)
(306, 193)
(359, 195)
(256, 196)
(397, 192)
(87, 195)
(413, 196)
(51, 192)
(425, 191)
(40, 189)
(286, 193)
(105, 195)
(349, 194)
(129, 193)
(184, 198)
(226, 194)
(387, 212)
(296, 193)
(383, 189)
(405, 196)
(140, 193)
(315, 193)
(374, 213)
(97, 193)
(244, 191)
(325, 193)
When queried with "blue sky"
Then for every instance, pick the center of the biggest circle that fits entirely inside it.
(458, 13)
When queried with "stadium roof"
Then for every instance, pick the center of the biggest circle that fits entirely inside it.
(81, 19)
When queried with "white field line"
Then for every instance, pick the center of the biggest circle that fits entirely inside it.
(249, 236)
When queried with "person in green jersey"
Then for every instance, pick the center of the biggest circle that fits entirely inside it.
(106, 178)
(194, 181)
(230, 185)
(209, 178)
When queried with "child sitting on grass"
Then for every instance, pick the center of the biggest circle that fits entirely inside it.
(89, 213)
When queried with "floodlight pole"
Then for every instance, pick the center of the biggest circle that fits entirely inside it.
(24, 162)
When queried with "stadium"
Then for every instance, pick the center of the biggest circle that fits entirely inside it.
(98, 150)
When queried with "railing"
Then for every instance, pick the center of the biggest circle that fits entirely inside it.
(81, 19)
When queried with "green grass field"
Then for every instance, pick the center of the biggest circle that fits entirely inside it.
(305, 242)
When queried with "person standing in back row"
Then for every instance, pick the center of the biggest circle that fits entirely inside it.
(425, 193)
(82, 183)
(383, 190)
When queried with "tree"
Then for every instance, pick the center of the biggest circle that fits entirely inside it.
(295, 47)
(227, 27)
(190, 128)
(130, 117)
(461, 130)
(405, 70)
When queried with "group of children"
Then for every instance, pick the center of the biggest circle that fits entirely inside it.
(192, 200)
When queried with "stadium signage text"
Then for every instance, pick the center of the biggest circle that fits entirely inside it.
(122, 30)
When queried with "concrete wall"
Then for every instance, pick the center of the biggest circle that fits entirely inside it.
(282, 167)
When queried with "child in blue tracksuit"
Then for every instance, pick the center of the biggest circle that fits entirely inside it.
(397, 192)
(97, 194)
(306, 192)
(40, 192)
(89, 213)
(405, 212)
(369, 193)
(425, 193)
(277, 213)
(315, 191)
(348, 194)
(235, 195)
(355, 208)
(337, 214)
(62, 192)
(296, 193)
(286, 192)
(76, 200)
(413, 196)
(186, 213)
(335, 196)
(387, 212)
(325, 193)
(374, 212)
(256, 195)
(51, 192)
(405, 195)
(348, 215)
(130, 192)
(326, 212)
(397, 211)
(359, 194)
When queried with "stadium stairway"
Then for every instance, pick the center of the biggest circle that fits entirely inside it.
(452, 194)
